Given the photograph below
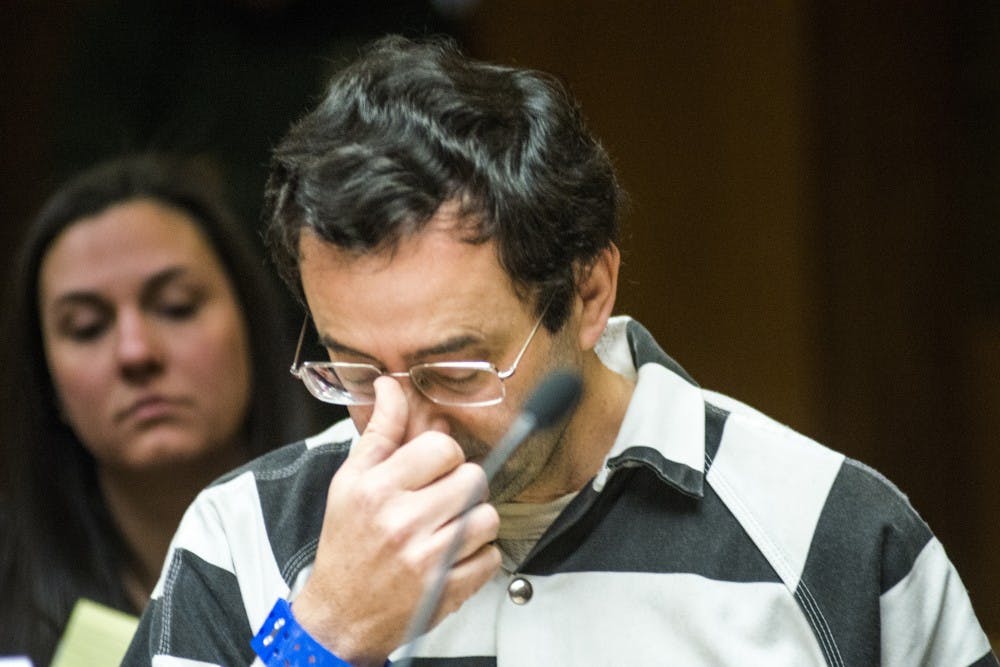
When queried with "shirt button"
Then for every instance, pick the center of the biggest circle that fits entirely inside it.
(519, 591)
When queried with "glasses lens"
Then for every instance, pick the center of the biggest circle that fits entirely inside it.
(468, 383)
(341, 383)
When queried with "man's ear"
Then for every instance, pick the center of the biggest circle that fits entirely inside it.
(596, 288)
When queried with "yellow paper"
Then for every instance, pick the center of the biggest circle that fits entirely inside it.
(95, 636)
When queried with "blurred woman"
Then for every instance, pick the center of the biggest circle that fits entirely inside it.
(144, 357)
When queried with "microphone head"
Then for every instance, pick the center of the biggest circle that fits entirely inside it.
(554, 398)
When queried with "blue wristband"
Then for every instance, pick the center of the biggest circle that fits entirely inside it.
(282, 641)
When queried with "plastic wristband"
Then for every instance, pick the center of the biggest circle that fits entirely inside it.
(282, 642)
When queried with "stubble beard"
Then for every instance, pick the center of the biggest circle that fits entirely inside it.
(535, 457)
(523, 468)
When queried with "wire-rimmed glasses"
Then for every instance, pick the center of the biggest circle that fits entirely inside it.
(470, 384)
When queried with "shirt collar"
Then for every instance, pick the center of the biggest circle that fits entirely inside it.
(664, 425)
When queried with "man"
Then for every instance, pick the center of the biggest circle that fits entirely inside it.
(451, 226)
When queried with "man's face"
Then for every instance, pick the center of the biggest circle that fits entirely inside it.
(437, 298)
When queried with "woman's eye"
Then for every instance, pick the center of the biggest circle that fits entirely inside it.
(81, 325)
(85, 332)
(180, 310)
(178, 301)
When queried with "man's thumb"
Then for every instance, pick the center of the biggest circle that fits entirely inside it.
(385, 429)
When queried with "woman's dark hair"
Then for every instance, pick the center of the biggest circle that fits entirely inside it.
(57, 541)
(411, 125)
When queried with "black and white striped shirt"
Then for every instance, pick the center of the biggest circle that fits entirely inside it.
(712, 536)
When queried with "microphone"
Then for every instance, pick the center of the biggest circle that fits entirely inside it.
(555, 397)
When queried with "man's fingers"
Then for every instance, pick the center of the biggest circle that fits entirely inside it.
(478, 528)
(426, 458)
(387, 426)
(466, 577)
(482, 524)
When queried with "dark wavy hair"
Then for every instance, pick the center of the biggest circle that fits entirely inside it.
(58, 542)
(411, 125)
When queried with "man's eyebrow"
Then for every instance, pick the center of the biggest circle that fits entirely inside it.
(332, 345)
(447, 346)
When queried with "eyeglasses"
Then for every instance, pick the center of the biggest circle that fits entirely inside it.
(470, 384)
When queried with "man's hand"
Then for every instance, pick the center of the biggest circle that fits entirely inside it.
(391, 513)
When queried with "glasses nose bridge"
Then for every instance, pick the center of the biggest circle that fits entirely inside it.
(414, 387)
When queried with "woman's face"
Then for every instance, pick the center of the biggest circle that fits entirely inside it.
(145, 341)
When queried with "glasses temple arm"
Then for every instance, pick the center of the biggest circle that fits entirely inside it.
(294, 370)
(524, 348)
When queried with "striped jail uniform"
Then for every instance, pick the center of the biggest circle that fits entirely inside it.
(712, 536)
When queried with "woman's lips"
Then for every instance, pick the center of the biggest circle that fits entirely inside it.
(150, 408)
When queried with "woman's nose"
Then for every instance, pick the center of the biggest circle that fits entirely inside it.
(138, 346)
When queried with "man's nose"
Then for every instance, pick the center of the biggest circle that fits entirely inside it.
(424, 414)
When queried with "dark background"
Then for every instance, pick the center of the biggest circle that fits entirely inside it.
(815, 221)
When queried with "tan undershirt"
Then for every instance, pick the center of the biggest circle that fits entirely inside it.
(521, 526)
